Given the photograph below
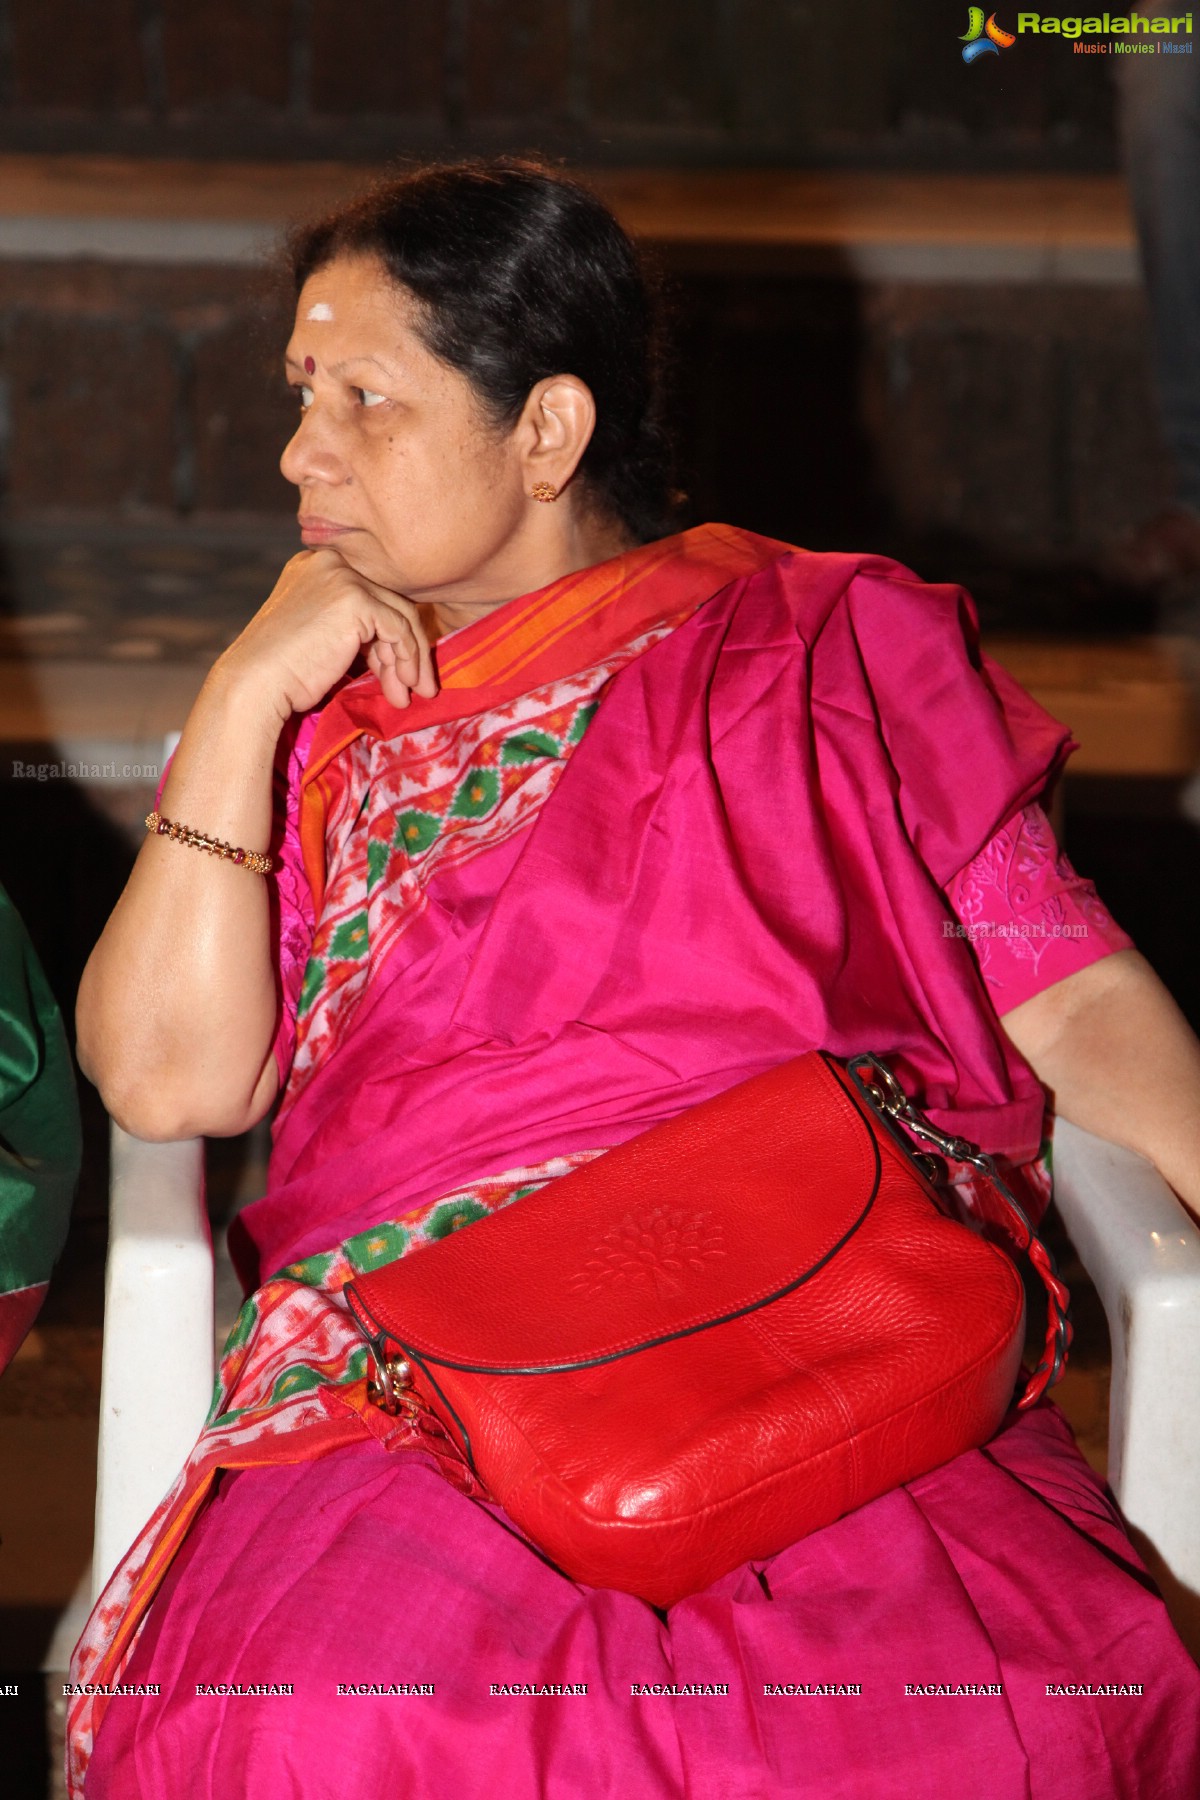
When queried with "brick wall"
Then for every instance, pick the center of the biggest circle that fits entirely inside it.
(1016, 423)
(960, 426)
(1017, 420)
(135, 389)
(791, 81)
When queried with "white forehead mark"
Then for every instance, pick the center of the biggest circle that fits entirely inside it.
(322, 312)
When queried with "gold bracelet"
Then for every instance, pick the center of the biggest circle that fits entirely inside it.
(183, 834)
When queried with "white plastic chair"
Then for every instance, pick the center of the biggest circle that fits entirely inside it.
(1142, 1251)
(157, 1372)
(1138, 1244)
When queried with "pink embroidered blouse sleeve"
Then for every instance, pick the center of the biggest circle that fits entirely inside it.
(1030, 918)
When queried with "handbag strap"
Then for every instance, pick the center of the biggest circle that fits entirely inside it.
(999, 1207)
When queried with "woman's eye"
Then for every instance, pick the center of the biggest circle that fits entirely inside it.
(368, 397)
(304, 395)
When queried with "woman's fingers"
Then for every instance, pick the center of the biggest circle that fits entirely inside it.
(426, 683)
(394, 665)
(381, 660)
(403, 645)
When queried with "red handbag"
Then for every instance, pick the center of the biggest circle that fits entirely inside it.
(719, 1336)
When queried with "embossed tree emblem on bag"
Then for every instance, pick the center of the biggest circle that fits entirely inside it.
(659, 1247)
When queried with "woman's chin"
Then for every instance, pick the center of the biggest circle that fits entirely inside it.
(359, 552)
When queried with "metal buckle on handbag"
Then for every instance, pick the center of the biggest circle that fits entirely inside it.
(886, 1094)
(393, 1391)
(889, 1099)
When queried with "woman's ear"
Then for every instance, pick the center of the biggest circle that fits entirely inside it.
(557, 424)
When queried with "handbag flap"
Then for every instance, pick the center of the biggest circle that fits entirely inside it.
(707, 1216)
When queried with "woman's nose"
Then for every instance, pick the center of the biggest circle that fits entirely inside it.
(311, 455)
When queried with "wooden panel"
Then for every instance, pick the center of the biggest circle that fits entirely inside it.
(1127, 700)
(1046, 215)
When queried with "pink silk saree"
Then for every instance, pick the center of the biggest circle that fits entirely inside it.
(748, 859)
(597, 920)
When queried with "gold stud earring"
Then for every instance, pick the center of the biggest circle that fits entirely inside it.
(544, 490)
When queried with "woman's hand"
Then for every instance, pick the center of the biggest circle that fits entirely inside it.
(319, 617)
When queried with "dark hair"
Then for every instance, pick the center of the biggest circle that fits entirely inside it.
(520, 273)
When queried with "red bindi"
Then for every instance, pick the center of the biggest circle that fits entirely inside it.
(310, 366)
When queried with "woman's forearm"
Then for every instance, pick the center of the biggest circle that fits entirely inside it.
(1121, 1061)
(177, 1007)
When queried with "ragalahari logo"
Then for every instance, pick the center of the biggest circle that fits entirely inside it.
(982, 39)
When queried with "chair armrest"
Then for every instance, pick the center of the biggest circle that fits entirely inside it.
(158, 1362)
(1142, 1251)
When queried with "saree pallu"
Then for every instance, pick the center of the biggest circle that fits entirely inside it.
(740, 856)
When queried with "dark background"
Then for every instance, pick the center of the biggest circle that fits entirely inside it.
(974, 427)
(879, 83)
(997, 433)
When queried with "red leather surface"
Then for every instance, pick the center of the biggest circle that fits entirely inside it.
(653, 1237)
(657, 1470)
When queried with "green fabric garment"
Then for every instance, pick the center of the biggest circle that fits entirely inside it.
(40, 1140)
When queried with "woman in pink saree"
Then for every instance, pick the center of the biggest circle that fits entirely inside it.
(612, 820)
